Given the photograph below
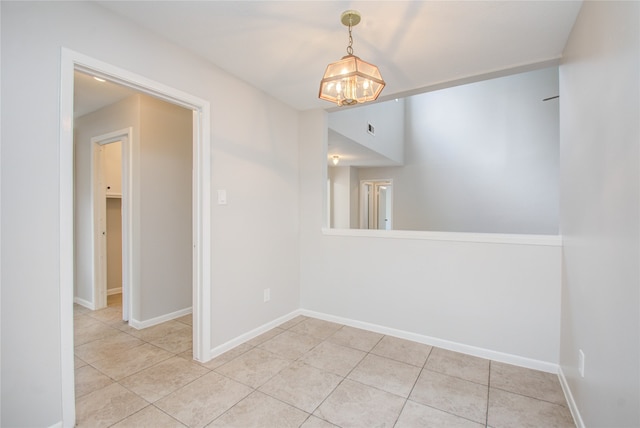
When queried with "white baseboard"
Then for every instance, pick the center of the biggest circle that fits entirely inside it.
(573, 407)
(111, 291)
(139, 325)
(57, 425)
(221, 349)
(441, 343)
(85, 303)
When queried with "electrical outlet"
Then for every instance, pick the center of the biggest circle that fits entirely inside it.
(267, 294)
(581, 362)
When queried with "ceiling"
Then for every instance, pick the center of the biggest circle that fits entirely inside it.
(283, 47)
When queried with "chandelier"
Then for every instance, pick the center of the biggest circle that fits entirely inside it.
(350, 80)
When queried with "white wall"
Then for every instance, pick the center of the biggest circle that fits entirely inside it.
(482, 295)
(165, 216)
(255, 236)
(343, 196)
(600, 204)
(387, 119)
(481, 157)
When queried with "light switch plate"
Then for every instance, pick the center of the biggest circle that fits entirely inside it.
(222, 197)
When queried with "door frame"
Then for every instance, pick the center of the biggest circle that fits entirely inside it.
(201, 188)
(99, 195)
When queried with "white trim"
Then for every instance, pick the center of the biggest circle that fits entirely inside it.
(139, 325)
(87, 304)
(501, 357)
(67, 381)
(112, 291)
(488, 238)
(221, 349)
(57, 425)
(70, 61)
(573, 407)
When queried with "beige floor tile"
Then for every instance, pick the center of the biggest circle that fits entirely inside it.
(88, 329)
(107, 315)
(532, 383)
(386, 374)
(294, 321)
(362, 340)
(416, 415)
(259, 410)
(158, 331)
(265, 336)
(254, 367)
(451, 394)
(106, 406)
(164, 378)
(402, 350)
(79, 309)
(507, 410)
(302, 386)
(228, 356)
(187, 319)
(333, 358)
(464, 366)
(203, 400)
(88, 379)
(131, 361)
(290, 345)
(316, 328)
(315, 422)
(175, 342)
(353, 404)
(149, 417)
(78, 362)
(107, 347)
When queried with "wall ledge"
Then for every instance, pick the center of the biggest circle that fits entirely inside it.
(485, 238)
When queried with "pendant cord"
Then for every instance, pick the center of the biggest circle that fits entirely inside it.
(350, 47)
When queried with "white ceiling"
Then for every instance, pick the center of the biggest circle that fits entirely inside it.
(283, 47)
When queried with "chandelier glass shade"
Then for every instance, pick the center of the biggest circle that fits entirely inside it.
(351, 80)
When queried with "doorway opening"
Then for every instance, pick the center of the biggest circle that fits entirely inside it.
(376, 204)
(201, 255)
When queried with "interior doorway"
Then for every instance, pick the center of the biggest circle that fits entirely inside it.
(201, 207)
(111, 219)
(376, 204)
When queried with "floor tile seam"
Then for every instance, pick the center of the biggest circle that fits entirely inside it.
(106, 358)
(486, 385)
(253, 390)
(400, 413)
(171, 416)
(447, 411)
(486, 422)
(415, 382)
(287, 403)
(529, 396)
(250, 386)
(144, 368)
(91, 392)
(395, 359)
(166, 395)
(378, 388)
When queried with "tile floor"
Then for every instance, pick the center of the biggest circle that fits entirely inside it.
(305, 373)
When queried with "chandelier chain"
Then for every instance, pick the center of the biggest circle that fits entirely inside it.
(350, 47)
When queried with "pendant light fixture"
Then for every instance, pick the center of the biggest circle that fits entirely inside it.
(351, 80)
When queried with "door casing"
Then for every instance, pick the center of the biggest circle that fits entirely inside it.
(201, 188)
